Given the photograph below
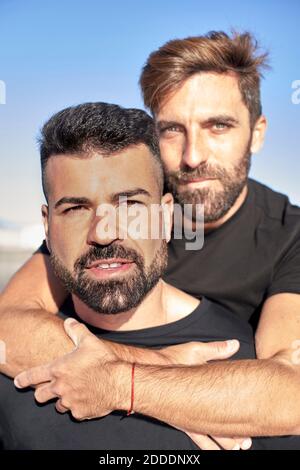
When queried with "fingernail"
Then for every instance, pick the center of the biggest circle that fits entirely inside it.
(232, 344)
(17, 384)
(71, 321)
(236, 447)
(246, 444)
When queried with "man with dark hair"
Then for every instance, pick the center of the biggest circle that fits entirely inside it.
(88, 156)
(204, 94)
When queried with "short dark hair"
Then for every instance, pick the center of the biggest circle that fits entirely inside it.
(177, 60)
(106, 127)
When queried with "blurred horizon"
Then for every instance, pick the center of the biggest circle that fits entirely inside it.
(60, 53)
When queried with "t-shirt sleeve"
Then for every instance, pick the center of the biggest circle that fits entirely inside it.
(286, 275)
(43, 249)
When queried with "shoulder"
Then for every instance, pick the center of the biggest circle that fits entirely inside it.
(273, 204)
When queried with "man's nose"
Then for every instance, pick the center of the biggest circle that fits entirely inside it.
(195, 151)
(103, 231)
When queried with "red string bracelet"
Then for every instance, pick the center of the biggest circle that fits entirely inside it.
(130, 411)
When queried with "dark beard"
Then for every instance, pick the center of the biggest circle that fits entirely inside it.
(112, 296)
(216, 203)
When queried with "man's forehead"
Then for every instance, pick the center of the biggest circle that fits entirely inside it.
(104, 157)
(204, 94)
(99, 173)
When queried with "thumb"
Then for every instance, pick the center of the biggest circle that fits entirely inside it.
(219, 349)
(76, 331)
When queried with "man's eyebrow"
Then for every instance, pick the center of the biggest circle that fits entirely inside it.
(115, 197)
(130, 193)
(224, 118)
(72, 200)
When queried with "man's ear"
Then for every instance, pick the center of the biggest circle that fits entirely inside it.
(258, 134)
(167, 202)
(45, 215)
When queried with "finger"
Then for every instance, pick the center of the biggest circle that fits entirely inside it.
(204, 442)
(34, 376)
(227, 443)
(75, 330)
(218, 349)
(244, 442)
(60, 408)
(44, 393)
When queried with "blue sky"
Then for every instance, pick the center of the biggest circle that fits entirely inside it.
(61, 52)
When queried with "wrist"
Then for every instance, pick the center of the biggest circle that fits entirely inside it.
(139, 355)
(121, 373)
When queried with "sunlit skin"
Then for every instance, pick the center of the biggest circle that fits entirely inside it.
(77, 186)
(205, 120)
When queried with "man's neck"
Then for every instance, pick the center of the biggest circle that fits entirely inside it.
(151, 312)
(164, 304)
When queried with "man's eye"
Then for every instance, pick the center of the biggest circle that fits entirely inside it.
(73, 209)
(220, 126)
(131, 202)
(170, 129)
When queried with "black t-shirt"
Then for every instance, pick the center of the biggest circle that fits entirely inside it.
(24, 424)
(252, 256)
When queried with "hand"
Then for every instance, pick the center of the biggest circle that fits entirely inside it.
(196, 353)
(82, 380)
(220, 443)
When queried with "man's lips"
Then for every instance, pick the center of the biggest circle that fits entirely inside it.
(104, 268)
(195, 180)
(104, 261)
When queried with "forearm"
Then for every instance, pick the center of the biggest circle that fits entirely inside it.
(130, 354)
(32, 337)
(244, 398)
